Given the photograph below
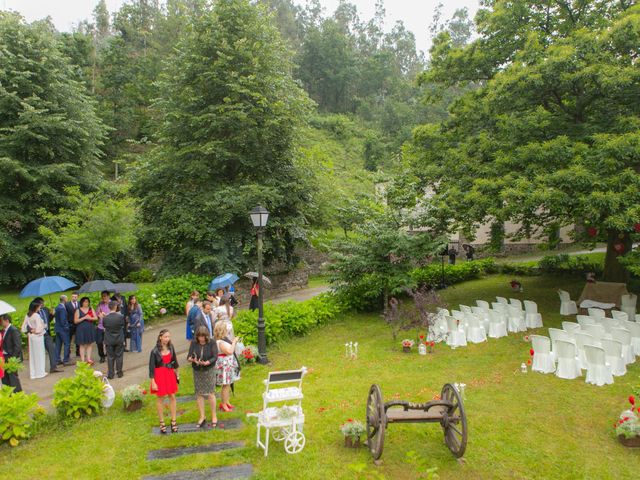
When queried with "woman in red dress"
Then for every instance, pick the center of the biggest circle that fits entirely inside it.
(163, 372)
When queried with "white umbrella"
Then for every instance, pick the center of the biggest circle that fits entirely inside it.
(265, 279)
(6, 308)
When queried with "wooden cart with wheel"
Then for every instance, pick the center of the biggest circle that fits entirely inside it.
(448, 412)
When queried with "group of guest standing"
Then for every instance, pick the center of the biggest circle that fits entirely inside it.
(211, 355)
(76, 318)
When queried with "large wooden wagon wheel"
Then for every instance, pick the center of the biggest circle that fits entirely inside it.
(454, 421)
(376, 422)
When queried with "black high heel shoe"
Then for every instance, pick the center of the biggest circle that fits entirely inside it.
(174, 426)
(201, 424)
(163, 428)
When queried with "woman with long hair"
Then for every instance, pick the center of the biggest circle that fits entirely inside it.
(135, 324)
(223, 313)
(203, 354)
(227, 368)
(85, 319)
(255, 294)
(34, 326)
(163, 372)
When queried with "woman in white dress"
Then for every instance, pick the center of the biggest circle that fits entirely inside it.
(223, 313)
(34, 326)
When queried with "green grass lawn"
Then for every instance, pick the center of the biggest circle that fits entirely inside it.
(520, 426)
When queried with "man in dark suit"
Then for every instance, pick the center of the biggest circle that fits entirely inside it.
(203, 318)
(72, 305)
(62, 329)
(113, 324)
(48, 339)
(11, 347)
(194, 312)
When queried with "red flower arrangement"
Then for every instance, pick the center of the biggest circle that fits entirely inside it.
(632, 400)
(531, 352)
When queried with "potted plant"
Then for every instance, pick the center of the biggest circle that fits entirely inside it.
(132, 397)
(352, 430)
(406, 345)
(628, 425)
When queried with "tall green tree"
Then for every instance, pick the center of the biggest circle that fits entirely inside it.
(551, 136)
(50, 138)
(230, 110)
(90, 234)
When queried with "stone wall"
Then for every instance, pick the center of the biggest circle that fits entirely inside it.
(280, 283)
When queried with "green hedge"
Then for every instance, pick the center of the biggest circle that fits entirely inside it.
(287, 319)
(432, 274)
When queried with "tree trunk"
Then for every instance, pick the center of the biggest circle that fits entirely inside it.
(614, 271)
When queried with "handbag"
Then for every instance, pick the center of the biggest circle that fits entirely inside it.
(109, 393)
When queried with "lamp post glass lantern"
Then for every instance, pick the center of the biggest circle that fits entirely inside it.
(259, 217)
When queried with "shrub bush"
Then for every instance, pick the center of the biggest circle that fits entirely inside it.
(144, 275)
(563, 263)
(287, 319)
(16, 415)
(431, 274)
(80, 395)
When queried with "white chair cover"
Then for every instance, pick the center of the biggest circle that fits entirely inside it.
(596, 331)
(514, 302)
(500, 307)
(483, 304)
(455, 336)
(532, 318)
(634, 329)
(611, 323)
(598, 372)
(516, 320)
(567, 306)
(497, 324)
(556, 334)
(475, 331)
(596, 312)
(624, 337)
(570, 327)
(502, 300)
(585, 320)
(465, 309)
(542, 358)
(628, 305)
(618, 315)
(457, 314)
(566, 355)
(483, 316)
(613, 356)
(583, 339)
(439, 328)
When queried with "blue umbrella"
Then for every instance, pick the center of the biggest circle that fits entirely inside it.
(46, 285)
(223, 280)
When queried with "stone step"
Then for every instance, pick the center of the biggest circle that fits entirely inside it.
(180, 451)
(244, 470)
(228, 424)
(191, 398)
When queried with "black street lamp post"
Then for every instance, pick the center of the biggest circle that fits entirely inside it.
(259, 217)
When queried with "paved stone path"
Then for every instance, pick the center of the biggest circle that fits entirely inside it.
(164, 453)
(244, 470)
(136, 365)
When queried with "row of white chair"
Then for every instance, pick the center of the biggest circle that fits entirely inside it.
(575, 349)
(627, 306)
(474, 324)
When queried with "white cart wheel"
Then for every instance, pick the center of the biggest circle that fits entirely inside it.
(279, 434)
(294, 442)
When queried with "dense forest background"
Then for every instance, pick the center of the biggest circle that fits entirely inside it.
(151, 132)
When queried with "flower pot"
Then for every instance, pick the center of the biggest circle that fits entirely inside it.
(406, 349)
(633, 442)
(133, 406)
(350, 442)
